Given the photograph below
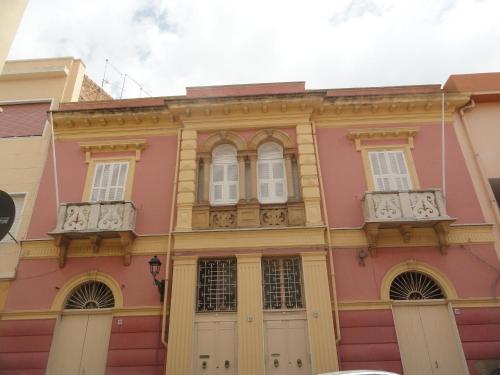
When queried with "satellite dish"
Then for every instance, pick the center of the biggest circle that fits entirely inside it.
(7, 213)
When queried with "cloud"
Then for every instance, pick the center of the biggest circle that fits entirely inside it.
(168, 45)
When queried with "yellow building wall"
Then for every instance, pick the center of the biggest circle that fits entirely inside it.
(57, 78)
(11, 12)
(250, 315)
(319, 313)
(180, 337)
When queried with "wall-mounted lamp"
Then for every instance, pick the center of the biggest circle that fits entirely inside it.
(154, 269)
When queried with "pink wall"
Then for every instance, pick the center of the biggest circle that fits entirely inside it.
(38, 281)
(355, 282)
(151, 192)
(25, 346)
(345, 183)
(369, 341)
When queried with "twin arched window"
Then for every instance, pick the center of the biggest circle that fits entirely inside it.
(271, 176)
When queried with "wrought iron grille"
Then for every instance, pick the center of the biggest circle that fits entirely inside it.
(216, 285)
(282, 283)
(415, 286)
(91, 295)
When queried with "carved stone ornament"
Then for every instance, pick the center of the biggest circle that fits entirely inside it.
(273, 217)
(77, 218)
(223, 219)
(387, 206)
(424, 205)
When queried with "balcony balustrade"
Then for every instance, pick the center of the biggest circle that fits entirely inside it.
(405, 210)
(95, 221)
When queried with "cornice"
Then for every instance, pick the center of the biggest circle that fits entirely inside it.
(382, 134)
(136, 145)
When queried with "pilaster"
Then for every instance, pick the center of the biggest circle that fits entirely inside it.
(180, 343)
(319, 313)
(250, 316)
(186, 188)
(309, 179)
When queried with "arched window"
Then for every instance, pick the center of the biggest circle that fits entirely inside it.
(413, 285)
(271, 177)
(224, 186)
(91, 295)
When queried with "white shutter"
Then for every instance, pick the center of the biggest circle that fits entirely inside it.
(264, 174)
(109, 182)
(19, 204)
(271, 174)
(389, 170)
(224, 187)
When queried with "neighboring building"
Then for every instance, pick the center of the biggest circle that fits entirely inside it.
(478, 127)
(28, 91)
(11, 12)
(300, 231)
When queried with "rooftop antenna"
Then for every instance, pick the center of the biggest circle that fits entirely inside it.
(125, 78)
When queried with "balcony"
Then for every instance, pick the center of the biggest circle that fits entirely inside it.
(94, 222)
(405, 210)
(248, 215)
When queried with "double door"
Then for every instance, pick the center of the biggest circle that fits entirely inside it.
(80, 345)
(428, 340)
(215, 348)
(286, 347)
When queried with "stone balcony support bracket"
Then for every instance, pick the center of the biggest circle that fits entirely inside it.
(94, 222)
(405, 210)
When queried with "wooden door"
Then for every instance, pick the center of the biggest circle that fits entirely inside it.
(215, 343)
(428, 341)
(80, 345)
(286, 347)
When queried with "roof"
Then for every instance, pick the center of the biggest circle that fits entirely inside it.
(473, 82)
(23, 119)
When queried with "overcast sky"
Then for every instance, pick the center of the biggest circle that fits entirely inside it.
(167, 45)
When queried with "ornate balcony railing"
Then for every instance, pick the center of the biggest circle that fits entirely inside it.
(95, 221)
(405, 210)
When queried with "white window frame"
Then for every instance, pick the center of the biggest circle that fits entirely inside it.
(225, 162)
(270, 160)
(14, 230)
(391, 180)
(108, 187)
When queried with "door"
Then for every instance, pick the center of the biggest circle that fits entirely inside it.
(80, 345)
(428, 341)
(286, 347)
(215, 344)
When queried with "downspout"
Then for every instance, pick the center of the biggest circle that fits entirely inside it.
(479, 167)
(328, 237)
(169, 243)
(54, 162)
(443, 156)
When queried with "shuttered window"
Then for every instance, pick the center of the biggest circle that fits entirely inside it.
(109, 182)
(224, 186)
(389, 170)
(19, 203)
(271, 176)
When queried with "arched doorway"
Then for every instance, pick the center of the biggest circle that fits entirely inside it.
(425, 325)
(81, 337)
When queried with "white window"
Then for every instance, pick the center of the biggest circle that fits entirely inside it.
(271, 176)
(19, 203)
(389, 170)
(109, 182)
(224, 186)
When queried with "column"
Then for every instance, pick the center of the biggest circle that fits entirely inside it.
(289, 177)
(250, 315)
(319, 313)
(186, 184)
(180, 338)
(253, 172)
(241, 163)
(309, 179)
(207, 161)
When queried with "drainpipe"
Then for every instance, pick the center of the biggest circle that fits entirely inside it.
(169, 244)
(329, 238)
(482, 174)
(443, 156)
